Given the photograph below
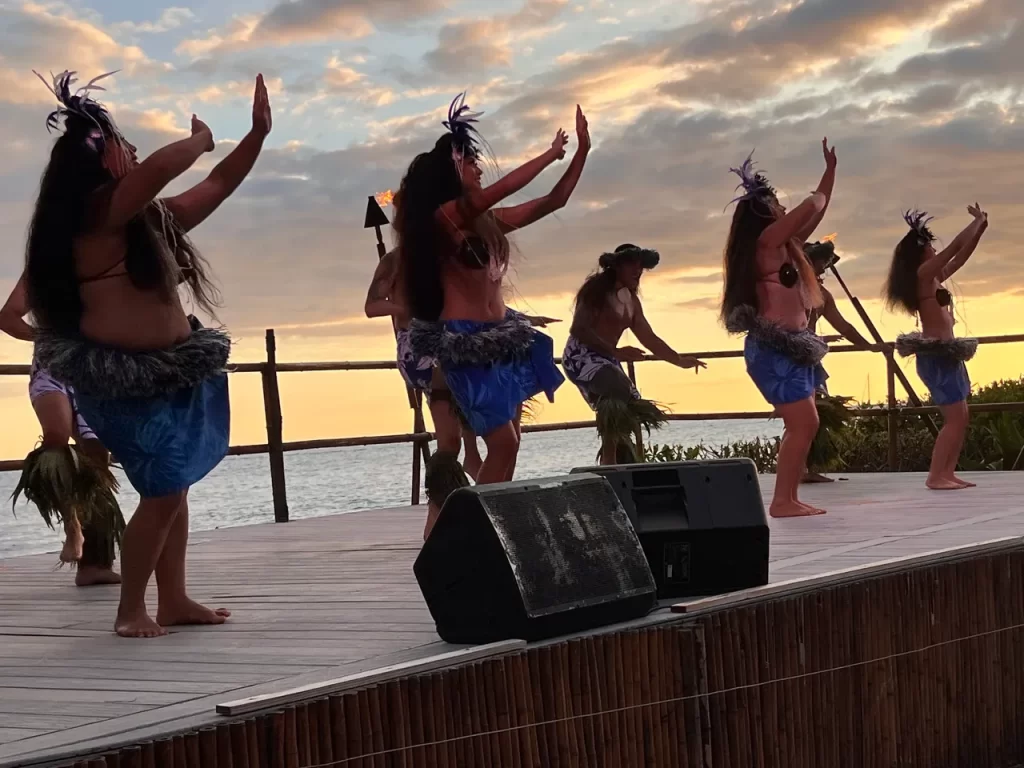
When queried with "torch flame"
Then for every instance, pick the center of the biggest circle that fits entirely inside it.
(830, 238)
(384, 198)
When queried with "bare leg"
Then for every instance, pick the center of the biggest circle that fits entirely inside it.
(472, 461)
(801, 420)
(144, 541)
(174, 606)
(517, 425)
(609, 452)
(946, 452)
(449, 435)
(98, 569)
(502, 447)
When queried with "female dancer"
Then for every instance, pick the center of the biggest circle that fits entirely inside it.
(770, 287)
(915, 286)
(455, 253)
(88, 509)
(607, 304)
(104, 261)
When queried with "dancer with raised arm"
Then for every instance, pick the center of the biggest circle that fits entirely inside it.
(455, 253)
(770, 289)
(606, 306)
(105, 258)
(915, 286)
(69, 484)
(832, 410)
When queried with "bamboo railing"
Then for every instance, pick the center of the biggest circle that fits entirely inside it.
(420, 438)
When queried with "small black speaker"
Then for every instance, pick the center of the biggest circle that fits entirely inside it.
(533, 559)
(701, 524)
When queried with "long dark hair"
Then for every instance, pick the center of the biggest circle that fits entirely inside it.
(751, 218)
(595, 289)
(901, 291)
(432, 180)
(73, 187)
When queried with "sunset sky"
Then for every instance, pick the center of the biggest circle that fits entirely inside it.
(922, 98)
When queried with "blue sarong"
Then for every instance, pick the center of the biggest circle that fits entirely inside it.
(164, 444)
(780, 380)
(416, 370)
(489, 395)
(945, 377)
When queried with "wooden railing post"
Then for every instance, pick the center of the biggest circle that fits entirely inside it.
(275, 439)
(639, 430)
(893, 419)
(418, 426)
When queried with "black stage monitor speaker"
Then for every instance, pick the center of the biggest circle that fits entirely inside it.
(702, 524)
(533, 559)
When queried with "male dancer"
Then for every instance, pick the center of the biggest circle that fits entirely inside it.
(832, 411)
(86, 507)
(606, 305)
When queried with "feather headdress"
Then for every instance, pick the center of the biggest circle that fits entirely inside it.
(461, 122)
(918, 222)
(753, 183)
(79, 104)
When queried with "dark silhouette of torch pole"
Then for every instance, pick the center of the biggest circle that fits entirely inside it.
(375, 219)
(911, 395)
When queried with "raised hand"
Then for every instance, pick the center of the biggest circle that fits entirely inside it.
(977, 213)
(558, 145)
(830, 154)
(582, 130)
(262, 120)
(543, 322)
(201, 128)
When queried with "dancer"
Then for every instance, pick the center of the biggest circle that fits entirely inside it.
(104, 261)
(455, 253)
(70, 483)
(770, 288)
(915, 286)
(832, 410)
(606, 305)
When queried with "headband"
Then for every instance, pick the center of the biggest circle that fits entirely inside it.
(79, 104)
(918, 223)
(461, 123)
(754, 183)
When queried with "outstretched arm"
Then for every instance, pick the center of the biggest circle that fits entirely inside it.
(468, 207)
(519, 216)
(380, 301)
(193, 207)
(143, 183)
(949, 259)
(658, 347)
(968, 245)
(825, 187)
(835, 318)
(12, 314)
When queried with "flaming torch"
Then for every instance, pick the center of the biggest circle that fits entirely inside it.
(376, 218)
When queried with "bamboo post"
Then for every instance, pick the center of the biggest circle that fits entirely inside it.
(418, 426)
(639, 431)
(893, 419)
(275, 440)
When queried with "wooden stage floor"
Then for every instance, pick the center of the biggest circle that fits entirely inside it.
(323, 598)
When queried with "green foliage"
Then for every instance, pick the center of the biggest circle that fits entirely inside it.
(995, 441)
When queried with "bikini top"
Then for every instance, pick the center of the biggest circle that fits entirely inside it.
(473, 253)
(942, 297)
(787, 276)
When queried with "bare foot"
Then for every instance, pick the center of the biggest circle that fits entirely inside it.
(138, 626)
(944, 484)
(814, 477)
(964, 483)
(91, 575)
(71, 552)
(794, 509)
(189, 612)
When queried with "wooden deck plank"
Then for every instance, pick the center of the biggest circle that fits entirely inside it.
(335, 596)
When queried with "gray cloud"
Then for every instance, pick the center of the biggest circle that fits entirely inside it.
(317, 19)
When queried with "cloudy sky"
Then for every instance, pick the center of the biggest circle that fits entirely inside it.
(922, 99)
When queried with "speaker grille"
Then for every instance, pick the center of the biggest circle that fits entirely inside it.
(570, 545)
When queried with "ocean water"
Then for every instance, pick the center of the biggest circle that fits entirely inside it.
(335, 481)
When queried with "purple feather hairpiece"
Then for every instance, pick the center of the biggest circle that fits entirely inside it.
(754, 183)
(918, 222)
(79, 104)
(461, 122)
